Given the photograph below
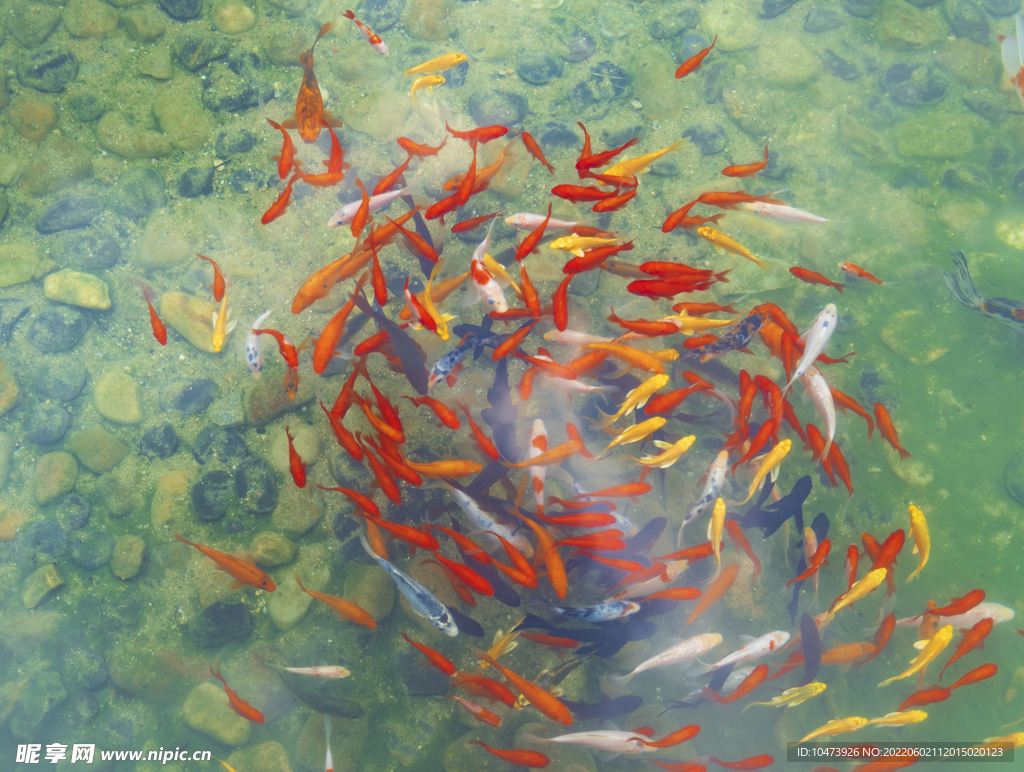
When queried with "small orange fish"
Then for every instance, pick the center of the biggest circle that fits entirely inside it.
(362, 213)
(219, 285)
(560, 304)
(436, 658)
(309, 104)
(971, 638)
(159, 328)
(888, 430)
(295, 463)
(420, 151)
(855, 270)
(357, 498)
(813, 277)
(286, 160)
(714, 591)
(540, 698)
(747, 170)
(443, 412)
(240, 706)
(482, 440)
(384, 480)
(243, 571)
(281, 204)
(452, 467)
(533, 759)
(509, 344)
(695, 61)
(535, 151)
(343, 608)
(478, 712)
(529, 244)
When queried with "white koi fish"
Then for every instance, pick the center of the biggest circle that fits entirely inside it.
(1013, 56)
(673, 569)
(347, 213)
(253, 357)
(736, 677)
(782, 212)
(487, 288)
(816, 386)
(677, 654)
(712, 487)
(754, 649)
(996, 611)
(815, 340)
(482, 521)
(329, 758)
(524, 220)
(613, 740)
(321, 671)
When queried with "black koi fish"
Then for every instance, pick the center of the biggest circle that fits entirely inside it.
(407, 349)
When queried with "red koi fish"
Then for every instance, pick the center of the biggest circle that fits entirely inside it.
(747, 170)
(714, 591)
(336, 166)
(960, 605)
(159, 328)
(813, 277)
(466, 575)
(242, 571)
(279, 207)
(529, 244)
(979, 673)
(482, 440)
(925, 697)
(888, 430)
(535, 151)
(578, 194)
(971, 638)
(343, 608)
(817, 561)
(476, 136)
(560, 304)
(219, 285)
(436, 658)
(532, 759)
(746, 686)
(309, 104)
(357, 498)
(419, 151)
(240, 706)
(371, 37)
(695, 61)
(882, 635)
(732, 528)
(388, 181)
(476, 222)
(286, 160)
(295, 462)
(445, 414)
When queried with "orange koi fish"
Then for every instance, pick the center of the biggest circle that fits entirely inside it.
(557, 576)
(475, 222)
(295, 462)
(673, 738)
(371, 37)
(979, 673)
(529, 244)
(357, 498)
(555, 455)
(714, 591)
(387, 484)
(240, 706)
(388, 181)
(482, 440)
(242, 571)
(855, 270)
(436, 658)
(419, 151)
(484, 687)
(540, 698)
(219, 285)
(512, 342)
(632, 356)
(475, 136)
(726, 199)
(971, 639)
(450, 467)
(626, 490)
(560, 304)
(695, 61)
(466, 575)
(281, 204)
(327, 343)
(677, 593)
(336, 166)
(746, 686)
(535, 151)
(739, 540)
(533, 759)
(888, 430)
(813, 277)
(309, 105)
(445, 414)
(343, 608)
(286, 160)
(753, 762)
(747, 170)
(159, 328)
(343, 435)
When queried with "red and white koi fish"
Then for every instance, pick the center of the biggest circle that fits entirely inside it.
(782, 212)
(347, 213)
(815, 340)
(987, 610)
(538, 445)
(755, 648)
(524, 220)
(487, 288)
(817, 389)
(371, 37)
(1013, 56)
(321, 671)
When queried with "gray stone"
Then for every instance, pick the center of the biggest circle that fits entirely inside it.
(83, 666)
(196, 50)
(91, 549)
(48, 69)
(159, 442)
(59, 379)
(966, 178)
(94, 249)
(35, 21)
(490, 107)
(188, 396)
(214, 443)
(144, 24)
(822, 20)
(967, 20)
(711, 139)
(914, 84)
(47, 424)
(87, 106)
(256, 485)
(234, 142)
(6, 456)
(537, 68)
(196, 181)
(58, 329)
(212, 494)
(126, 562)
(59, 163)
(219, 624)
(382, 15)
(73, 512)
(137, 192)
(236, 84)
(72, 212)
(1013, 478)
(182, 10)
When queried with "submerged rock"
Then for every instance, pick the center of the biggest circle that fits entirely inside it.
(822, 20)
(256, 485)
(58, 329)
(219, 624)
(538, 68)
(490, 107)
(47, 424)
(48, 69)
(77, 289)
(159, 442)
(212, 494)
(914, 84)
(207, 711)
(214, 443)
(97, 449)
(72, 212)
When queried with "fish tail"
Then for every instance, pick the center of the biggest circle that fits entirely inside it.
(961, 285)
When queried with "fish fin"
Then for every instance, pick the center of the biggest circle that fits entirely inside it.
(470, 299)
(235, 584)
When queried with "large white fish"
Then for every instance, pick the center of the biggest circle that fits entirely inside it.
(782, 212)
(968, 619)
(1013, 56)
(754, 649)
(420, 598)
(676, 654)
(613, 740)
(815, 340)
(817, 389)
(347, 213)
(482, 521)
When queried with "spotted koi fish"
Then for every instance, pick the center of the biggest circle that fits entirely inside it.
(1007, 312)
(737, 338)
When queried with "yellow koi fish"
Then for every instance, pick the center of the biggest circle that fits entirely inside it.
(673, 452)
(722, 242)
(899, 719)
(938, 642)
(715, 527)
(577, 244)
(771, 462)
(498, 271)
(503, 642)
(836, 726)
(792, 697)
(441, 320)
(428, 82)
(860, 588)
(1017, 738)
(641, 164)
(222, 324)
(637, 398)
(922, 541)
(439, 64)
(635, 433)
